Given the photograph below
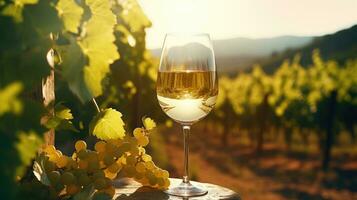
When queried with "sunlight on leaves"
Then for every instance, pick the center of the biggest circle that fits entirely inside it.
(27, 148)
(149, 123)
(9, 98)
(71, 14)
(98, 44)
(108, 124)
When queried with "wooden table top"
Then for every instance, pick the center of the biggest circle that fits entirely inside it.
(128, 189)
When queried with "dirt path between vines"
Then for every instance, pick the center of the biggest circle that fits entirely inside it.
(274, 175)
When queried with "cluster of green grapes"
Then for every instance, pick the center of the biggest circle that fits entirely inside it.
(111, 159)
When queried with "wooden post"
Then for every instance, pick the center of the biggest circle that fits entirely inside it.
(48, 97)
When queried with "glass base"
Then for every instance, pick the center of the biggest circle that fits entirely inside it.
(186, 190)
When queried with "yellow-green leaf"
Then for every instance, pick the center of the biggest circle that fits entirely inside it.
(108, 124)
(149, 123)
(9, 98)
(71, 14)
(63, 112)
(98, 44)
(27, 148)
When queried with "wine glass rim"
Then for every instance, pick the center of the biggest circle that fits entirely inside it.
(188, 34)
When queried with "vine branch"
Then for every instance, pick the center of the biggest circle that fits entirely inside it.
(96, 104)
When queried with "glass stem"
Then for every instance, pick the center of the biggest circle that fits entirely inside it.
(186, 137)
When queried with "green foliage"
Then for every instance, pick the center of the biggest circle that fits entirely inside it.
(27, 147)
(71, 14)
(294, 96)
(90, 52)
(81, 39)
(24, 44)
(61, 119)
(108, 125)
(9, 99)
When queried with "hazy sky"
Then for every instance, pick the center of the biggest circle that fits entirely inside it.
(247, 18)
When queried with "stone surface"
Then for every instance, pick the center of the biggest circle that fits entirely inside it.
(128, 189)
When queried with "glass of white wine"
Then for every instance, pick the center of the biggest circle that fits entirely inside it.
(187, 88)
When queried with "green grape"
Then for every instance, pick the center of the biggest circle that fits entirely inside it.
(80, 145)
(131, 160)
(108, 181)
(157, 172)
(110, 148)
(82, 164)
(138, 175)
(82, 154)
(125, 147)
(72, 164)
(167, 183)
(109, 174)
(152, 178)
(50, 149)
(149, 165)
(49, 166)
(114, 168)
(54, 156)
(92, 156)
(129, 170)
(67, 178)
(165, 174)
(100, 183)
(140, 167)
(161, 182)
(54, 177)
(72, 189)
(132, 142)
(101, 156)
(121, 160)
(109, 190)
(58, 186)
(59, 152)
(146, 157)
(141, 150)
(84, 180)
(139, 132)
(117, 142)
(143, 141)
(118, 151)
(93, 166)
(98, 174)
(100, 146)
(62, 161)
(108, 160)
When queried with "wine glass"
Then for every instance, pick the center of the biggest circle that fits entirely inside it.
(187, 88)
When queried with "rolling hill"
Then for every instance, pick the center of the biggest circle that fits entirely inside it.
(239, 54)
(339, 46)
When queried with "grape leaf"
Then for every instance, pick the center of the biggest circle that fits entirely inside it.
(108, 124)
(87, 59)
(63, 112)
(98, 44)
(14, 10)
(134, 16)
(27, 148)
(61, 119)
(71, 14)
(72, 69)
(9, 100)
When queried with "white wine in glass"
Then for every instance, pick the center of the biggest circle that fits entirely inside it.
(187, 90)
